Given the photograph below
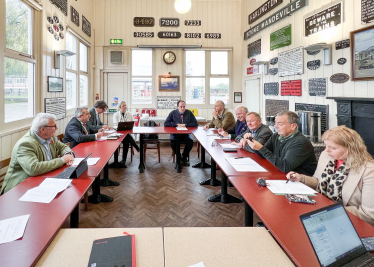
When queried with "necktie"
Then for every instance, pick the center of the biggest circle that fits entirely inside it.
(182, 118)
(84, 128)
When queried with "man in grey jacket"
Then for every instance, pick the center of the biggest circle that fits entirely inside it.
(95, 122)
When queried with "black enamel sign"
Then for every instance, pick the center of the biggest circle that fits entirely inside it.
(313, 53)
(367, 10)
(317, 87)
(274, 61)
(144, 22)
(325, 19)
(170, 35)
(339, 78)
(342, 44)
(254, 48)
(273, 71)
(342, 61)
(262, 10)
(271, 88)
(314, 64)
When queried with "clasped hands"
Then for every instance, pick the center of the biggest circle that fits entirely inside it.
(252, 143)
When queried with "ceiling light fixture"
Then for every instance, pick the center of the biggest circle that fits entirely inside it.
(182, 6)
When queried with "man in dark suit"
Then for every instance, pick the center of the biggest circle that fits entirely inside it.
(94, 121)
(240, 126)
(78, 131)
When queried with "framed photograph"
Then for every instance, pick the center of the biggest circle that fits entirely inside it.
(237, 97)
(362, 54)
(168, 83)
(55, 84)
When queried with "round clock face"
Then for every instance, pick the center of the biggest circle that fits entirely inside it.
(169, 57)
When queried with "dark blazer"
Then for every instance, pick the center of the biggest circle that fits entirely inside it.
(175, 118)
(262, 134)
(233, 130)
(93, 120)
(74, 133)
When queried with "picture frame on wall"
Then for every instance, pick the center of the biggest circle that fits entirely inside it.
(362, 54)
(55, 84)
(237, 97)
(168, 83)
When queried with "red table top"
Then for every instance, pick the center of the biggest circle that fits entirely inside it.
(282, 218)
(160, 130)
(44, 223)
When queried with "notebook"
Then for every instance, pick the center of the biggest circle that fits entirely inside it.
(125, 126)
(334, 238)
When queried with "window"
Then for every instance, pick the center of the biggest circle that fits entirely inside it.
(207, 69)
(76, 73)
(19, 64)
(141, 76)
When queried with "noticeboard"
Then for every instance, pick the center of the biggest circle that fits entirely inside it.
(291, 62)
(291, 88)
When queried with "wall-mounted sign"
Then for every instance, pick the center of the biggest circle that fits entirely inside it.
(291, 88)
(50, 20)
(324, 109)
(62, 5)
(86, 26)
(262, 10)
(60, 27)
(344, 43)
(276, 17)
(51, 31)
(169, 22)
(314, 64)
(342, 61)
(280, 38)
(192, 22)
(144, 22)
(74, 16)
(55, 106)
(253, 70)
(144, 34)
(291, 62)
(254, 48)
(325, 19)
(273, 107)
(212, 36)
(116, 41)
(253, 60)
(313, 53)
(339, 78)
(273, 71)
(171, 35)
(318, 87)
(192, 35)
(367, 10)
(274, 61)
(271, 88)
(167, 102)
(61, 35)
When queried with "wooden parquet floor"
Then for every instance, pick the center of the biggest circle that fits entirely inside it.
(161, 197)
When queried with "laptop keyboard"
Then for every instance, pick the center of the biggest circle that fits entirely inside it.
(65, 174)
(367, 263)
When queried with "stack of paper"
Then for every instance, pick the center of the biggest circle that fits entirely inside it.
(245, 165)
(182, 129)
(46, 191)
(229, 146)
(13, 228)
(280, 187)
(220, 137)
(90, 161)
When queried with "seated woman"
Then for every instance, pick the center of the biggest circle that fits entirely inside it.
(345, 172)
(123, 115)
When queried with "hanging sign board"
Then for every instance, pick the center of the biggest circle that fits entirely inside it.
(280, 38)
(271, 88)
(276, 17)
(343, 44)
(254, 48)
(86, 26)
(291, 88)
(318, 87)
(167, 102)
(367, 10)
(314, 64)
(291, 62)
(327, 18)
(262, 10)
(55, 106)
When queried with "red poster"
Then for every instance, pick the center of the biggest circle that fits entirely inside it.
(291, 88)
(252, 70)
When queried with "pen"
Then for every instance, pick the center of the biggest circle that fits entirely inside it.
(239, 158)
(289, 180)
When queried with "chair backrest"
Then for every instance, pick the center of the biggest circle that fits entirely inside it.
(4, 163)
(60, 137)
(151, 123)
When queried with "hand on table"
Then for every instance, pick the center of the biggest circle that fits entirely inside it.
(69, 159)
(241, 143)
(99, 134)
(294, 176)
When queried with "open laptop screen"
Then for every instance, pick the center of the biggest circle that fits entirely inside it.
(332, 234)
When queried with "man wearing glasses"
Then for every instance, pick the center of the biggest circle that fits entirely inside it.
(37, 152)
(288, 149)
(95, 122)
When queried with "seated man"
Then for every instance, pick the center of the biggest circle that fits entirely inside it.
(78, 131)
(258, 131)
(95, 122)
(288, 150)
(37, 152)
(222, 118)
(181, 118)
(240, 126)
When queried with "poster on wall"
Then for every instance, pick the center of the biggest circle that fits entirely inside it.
(291, 62)
(280, 38)
(254, 48)
(55, 106)
(291, 88)
(367, 11)
(167, 102)
(318, 87)
(325, 19)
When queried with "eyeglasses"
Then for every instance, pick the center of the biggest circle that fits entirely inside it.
(54, 126)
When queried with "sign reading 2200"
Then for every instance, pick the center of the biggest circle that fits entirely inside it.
(169, 22)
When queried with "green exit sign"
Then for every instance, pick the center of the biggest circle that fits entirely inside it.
(115, 41)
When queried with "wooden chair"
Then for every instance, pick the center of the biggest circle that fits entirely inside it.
(4, 163)
(60, 137)
(200, 123)
(155, 142)
(131, 149)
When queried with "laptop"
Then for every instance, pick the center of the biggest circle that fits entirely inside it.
(334, 238)
(125, 126)
(74, 171)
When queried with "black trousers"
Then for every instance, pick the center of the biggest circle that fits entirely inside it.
(126, 143)
(184, 138)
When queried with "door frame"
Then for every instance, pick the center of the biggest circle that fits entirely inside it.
(103, 86)
(255, 77)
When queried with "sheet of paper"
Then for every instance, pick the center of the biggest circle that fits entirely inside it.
(280, 187)
(241, 161)
(13, 228)
(182, 129)
(102, 138)
(90, 161)
(200, 264)
(229, 146)
(55, 184)
(39, 195)
(212, 134)
(249, 168)
(220, 137)
(109, 131)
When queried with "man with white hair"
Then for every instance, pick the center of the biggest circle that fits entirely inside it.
(222, 118)
(37, 152)
(240, 126)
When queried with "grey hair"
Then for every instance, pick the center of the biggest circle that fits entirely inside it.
(41, 120)
(120, 105)
(79, 111)
(221, 102)
(255, 114)
(292, 117)
(244, 109)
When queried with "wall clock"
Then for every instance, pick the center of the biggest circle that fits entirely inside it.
(169, 57)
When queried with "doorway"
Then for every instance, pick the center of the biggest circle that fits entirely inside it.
(253, 97)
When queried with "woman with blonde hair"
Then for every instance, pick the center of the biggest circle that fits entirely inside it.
(122, 115)
(345, 172)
